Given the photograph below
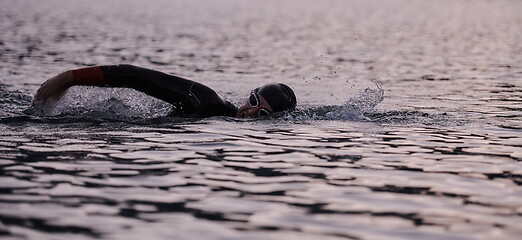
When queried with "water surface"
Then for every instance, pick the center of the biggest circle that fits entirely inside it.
(408, 125)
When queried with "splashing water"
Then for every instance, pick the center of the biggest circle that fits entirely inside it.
(110, 103)
(127, 104)
(365, 101)
(88, 103)
(353, 109)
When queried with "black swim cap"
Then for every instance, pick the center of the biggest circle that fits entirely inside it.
(279, 96)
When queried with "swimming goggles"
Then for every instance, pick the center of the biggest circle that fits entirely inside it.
(254, 102)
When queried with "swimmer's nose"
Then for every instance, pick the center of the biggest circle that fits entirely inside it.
(246, 113)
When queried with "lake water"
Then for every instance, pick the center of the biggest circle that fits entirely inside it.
(409, 123)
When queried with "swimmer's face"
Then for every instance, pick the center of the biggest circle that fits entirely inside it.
(255, 106)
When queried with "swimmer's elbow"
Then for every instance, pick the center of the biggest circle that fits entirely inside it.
(121, 75)
(120, 70)
(128, 67)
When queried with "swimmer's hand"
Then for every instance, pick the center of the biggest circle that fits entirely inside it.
(54, 88)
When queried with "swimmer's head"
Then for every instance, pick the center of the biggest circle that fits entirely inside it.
(270, 98)
(279, 96)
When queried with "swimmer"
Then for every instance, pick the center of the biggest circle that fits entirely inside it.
(190, 99)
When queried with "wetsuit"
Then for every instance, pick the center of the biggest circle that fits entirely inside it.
(190, 99)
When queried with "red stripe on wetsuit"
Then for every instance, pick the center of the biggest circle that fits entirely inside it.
(89, 76)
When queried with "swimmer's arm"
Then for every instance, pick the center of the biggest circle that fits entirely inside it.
(166, 87)
(187, 96)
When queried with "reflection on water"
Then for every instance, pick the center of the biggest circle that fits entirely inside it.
(408, 125)
(239, 180)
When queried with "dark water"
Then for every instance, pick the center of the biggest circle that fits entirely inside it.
(409, 124)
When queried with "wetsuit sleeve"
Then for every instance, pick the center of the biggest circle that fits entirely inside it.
(89, 76)
(190, 98)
